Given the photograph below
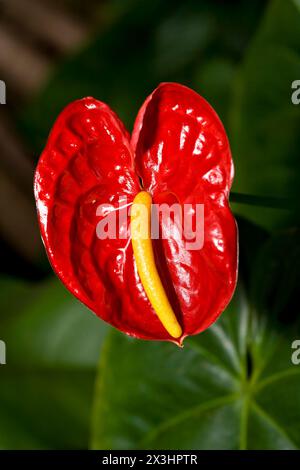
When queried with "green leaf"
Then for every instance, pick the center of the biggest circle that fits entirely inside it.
(223, 390)
(196, 26)
(265, 124)
(52, 348)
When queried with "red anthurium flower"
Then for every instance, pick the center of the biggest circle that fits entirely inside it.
(92, 173)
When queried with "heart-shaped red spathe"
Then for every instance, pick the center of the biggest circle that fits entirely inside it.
(180, 152)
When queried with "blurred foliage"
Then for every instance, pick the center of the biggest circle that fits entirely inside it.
(46, 388)
(146, 43)
(233, 386)
(265, 123)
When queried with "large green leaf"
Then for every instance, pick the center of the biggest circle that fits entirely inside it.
(46, 387)
(232, 387)
(265, 123)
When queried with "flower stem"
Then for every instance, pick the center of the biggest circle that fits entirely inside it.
(262, 201)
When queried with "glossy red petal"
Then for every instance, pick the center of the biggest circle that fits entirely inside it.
(182, 154)
(87, 162)
(180, 150)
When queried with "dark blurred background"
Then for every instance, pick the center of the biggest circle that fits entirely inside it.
(52, 52)
(35, 37)
(242, 57)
